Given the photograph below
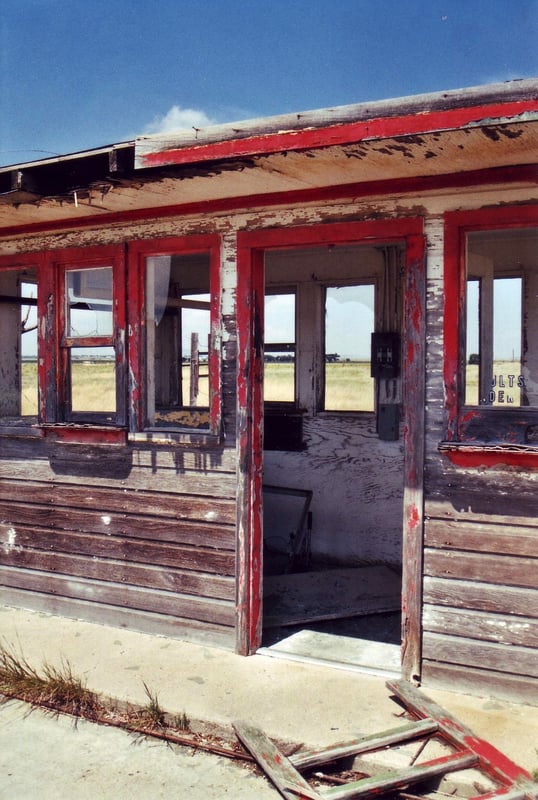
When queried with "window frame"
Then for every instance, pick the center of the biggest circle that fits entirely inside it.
(138, 252)
(56, 418)
(480, 435)
(19, 263)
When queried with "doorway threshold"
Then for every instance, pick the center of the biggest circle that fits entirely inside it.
(341, 652)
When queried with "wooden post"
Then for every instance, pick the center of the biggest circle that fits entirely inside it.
(195, 370)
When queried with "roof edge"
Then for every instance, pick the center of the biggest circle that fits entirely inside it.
(508, 91)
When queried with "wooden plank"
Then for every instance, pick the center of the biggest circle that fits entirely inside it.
(498, 569)
(122, 549)
(500, 628)
(495, 763)
(455, 494)
(203, 584)
(482, 537)
(307, 759)
(250, 311)
(123, 618)
(481, 596)
(169, 603)
(38, 518)
(330, 594)
(145, 461)
(276, 766)
(414, 355)
(514, 688)
(488, 656)
(185, 506)
(391, 781)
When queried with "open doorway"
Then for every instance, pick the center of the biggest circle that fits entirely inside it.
(333, 466)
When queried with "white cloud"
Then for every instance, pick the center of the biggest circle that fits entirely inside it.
(177, 119)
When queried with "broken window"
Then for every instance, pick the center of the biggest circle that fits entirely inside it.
(280, 347)
(501, 355)
(349, 323)
(18, 346)
(178, 344)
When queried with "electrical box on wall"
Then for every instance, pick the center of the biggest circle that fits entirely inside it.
(385, 360)
(388, 422)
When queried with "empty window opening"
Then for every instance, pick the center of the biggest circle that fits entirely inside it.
(349, 324)
(501, 359)
(18, 346)
(178, 328)
(280, 347)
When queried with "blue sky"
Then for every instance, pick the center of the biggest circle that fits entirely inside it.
(76, 74)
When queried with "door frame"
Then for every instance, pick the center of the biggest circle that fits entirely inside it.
(251, 246)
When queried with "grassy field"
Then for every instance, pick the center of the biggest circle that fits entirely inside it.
(94, 387)
(349, 386)
(500, 368)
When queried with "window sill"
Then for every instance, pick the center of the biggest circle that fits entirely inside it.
(175, 438)
(20, 428)
(72, 433)
(490, 455)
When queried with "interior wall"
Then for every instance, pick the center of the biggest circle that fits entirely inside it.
(355, 477)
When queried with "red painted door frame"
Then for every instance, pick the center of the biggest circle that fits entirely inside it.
(250, 304)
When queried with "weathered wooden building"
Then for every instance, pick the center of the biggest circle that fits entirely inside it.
(146, 288)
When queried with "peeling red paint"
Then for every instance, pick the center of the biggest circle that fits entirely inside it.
(476, 457)
(343, 133)
(459, 418)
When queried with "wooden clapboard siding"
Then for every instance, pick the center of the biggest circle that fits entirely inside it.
(204, 584)
(476, 596)
(480, 592)
(480, 586)
(149, 530)
(144, 621)
(202, 609)
(510, 686)
(501, 628)
(146, 551)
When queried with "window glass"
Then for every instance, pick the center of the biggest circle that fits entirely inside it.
(280, 347)
(178, 340)
(502, 319)
(349, 323)
(18, 345)
(89, 302)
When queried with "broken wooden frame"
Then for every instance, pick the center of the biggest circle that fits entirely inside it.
(468, 751)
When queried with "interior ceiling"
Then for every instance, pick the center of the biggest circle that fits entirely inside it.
(95, 191)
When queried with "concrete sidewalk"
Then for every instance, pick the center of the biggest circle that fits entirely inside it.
(292, 701)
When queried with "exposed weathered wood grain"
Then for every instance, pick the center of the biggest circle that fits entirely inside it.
(489, 656)
(109, 593)
(482, 625)
(512, 687)
(487, 597)
(481, 537)
(146, 551)
(181, 581)
(211, 508)
(206, 534)
(126, 618)
(499, 569)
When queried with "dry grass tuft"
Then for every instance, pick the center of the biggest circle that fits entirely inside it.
(55, 687)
